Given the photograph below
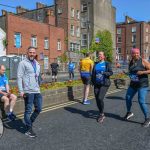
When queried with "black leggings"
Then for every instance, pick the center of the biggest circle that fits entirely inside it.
(71, 74)
(100, 93)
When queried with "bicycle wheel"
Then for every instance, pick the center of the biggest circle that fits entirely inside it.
(1, 128)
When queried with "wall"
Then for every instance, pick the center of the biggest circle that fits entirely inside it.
(27, 28)
(2, 37)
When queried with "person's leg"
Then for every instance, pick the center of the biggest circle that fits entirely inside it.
(5, 100)
(37, 105)
(142, 93)
(28, 100)
(55, 76)
(72, 75)
(52, 76)
(69, 75)
(129, 96)
(86, 91)
(13, 99)
(100, 93)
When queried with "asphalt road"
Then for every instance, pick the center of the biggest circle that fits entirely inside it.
(74, 127)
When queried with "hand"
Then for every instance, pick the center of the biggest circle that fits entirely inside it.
(140, 73)
(5, 94)
(42, 76)
(22, 94)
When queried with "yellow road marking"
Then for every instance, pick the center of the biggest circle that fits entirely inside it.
(50, 108)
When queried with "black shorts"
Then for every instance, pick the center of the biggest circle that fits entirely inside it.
(86, 80)
(54, 73)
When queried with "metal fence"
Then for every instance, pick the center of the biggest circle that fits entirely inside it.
(11, 64)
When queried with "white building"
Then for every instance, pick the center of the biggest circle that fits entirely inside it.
(2, 47)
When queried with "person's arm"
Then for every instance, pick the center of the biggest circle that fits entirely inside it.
(7, 88)
(74, 66)
(92, 64)
(20, 74)
(93, 75)
(109, 72)
(4, 93)
(146, 64)
(6, 84)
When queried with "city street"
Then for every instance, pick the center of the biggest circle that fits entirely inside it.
(74, 127)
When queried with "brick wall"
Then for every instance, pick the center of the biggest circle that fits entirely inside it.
(28, 28)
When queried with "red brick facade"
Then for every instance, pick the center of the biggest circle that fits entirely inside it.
(140, 38)
(28, 28)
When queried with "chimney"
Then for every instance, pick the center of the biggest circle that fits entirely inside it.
(40, 5)
(4, 12)
(50, 18)
(129, 19)
(20, 9)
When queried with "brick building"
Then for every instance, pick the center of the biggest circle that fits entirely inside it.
(131, 34)
(48, 39)
(68, 17)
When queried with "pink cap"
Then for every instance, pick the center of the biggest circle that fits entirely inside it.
(135, 50)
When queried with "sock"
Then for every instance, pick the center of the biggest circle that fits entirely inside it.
(11, 110)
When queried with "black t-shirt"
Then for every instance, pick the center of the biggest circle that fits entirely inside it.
(54, 67)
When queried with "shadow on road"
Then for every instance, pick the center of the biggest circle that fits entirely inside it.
(17, 125)
(115, 97)
(92, 113)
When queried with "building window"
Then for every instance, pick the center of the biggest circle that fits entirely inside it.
(133, 29)
(72, 12)
(146, 30)
(59, 44)
(78, 14)
(84, 40)
(83, 22)
(133, 38)
(72, 30)
(119, 40)
(84, 7)
(119, 31)
(34, 41)
(78, 31)
(147, 38)
(74, 46)
(78, 47)
(118, 50)
(46, 43)
(17, 40)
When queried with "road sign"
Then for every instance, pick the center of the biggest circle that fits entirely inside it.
(97, 40)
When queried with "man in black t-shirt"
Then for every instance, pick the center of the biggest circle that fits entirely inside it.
(54, 69)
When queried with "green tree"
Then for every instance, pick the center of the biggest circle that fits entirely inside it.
(105, 44)
(63, 58)
(5, 43)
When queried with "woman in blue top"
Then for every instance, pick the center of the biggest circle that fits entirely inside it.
(100, 78)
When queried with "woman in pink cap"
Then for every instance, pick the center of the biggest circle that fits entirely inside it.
(138, 73)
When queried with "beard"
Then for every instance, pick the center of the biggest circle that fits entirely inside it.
(31, 58)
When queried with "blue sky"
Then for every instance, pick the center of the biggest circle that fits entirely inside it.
(137, 9)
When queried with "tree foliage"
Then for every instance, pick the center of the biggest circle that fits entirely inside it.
(63, 58)
(105, 44)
